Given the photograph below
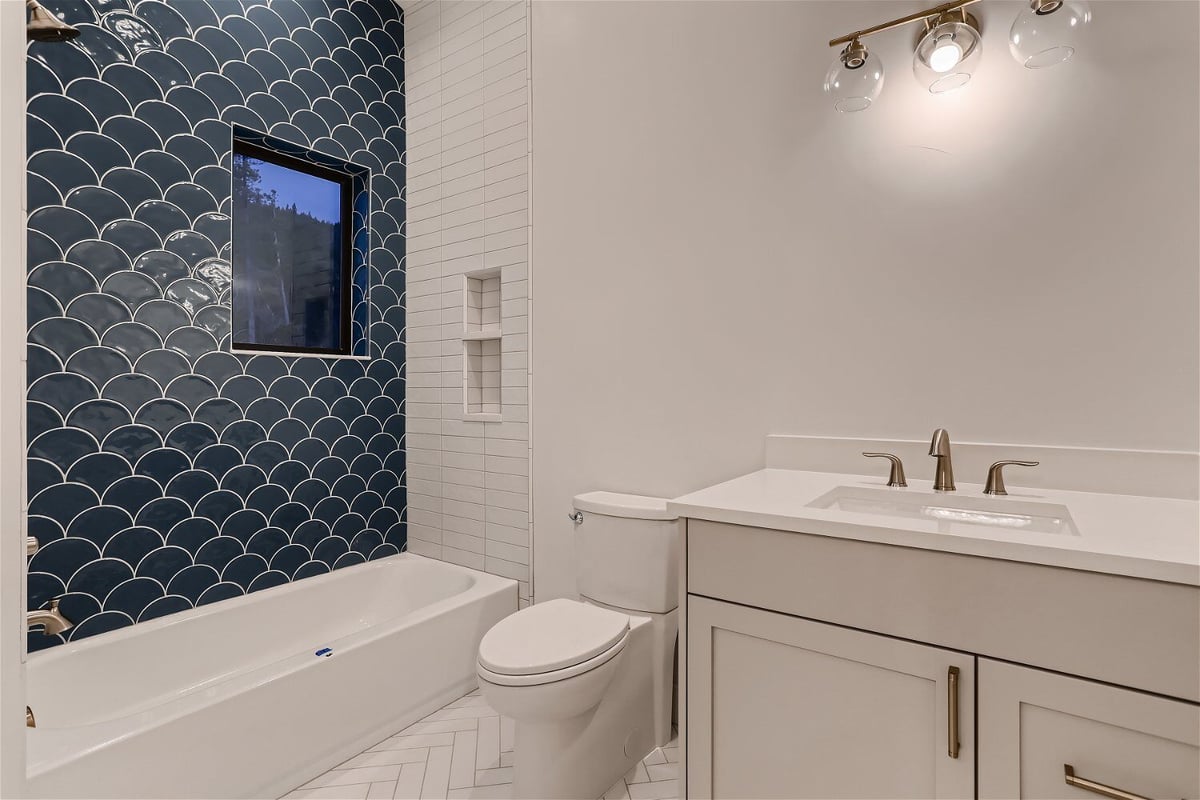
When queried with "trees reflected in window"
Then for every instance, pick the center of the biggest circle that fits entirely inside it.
(292, 233)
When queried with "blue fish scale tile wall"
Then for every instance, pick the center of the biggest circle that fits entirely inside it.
(164, 472)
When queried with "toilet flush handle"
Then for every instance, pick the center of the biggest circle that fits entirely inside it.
(576, 517)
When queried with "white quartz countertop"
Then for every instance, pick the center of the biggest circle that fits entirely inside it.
(1142, 537)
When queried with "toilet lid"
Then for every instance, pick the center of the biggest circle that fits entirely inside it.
(550, 636)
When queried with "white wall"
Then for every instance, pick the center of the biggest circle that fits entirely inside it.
(466, 81)
(12, 399)
(719, 255)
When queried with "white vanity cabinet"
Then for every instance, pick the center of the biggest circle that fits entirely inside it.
(1034, 725)
(800, 709)
(818, 666)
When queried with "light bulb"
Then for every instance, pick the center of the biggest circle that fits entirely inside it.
(948, 53)
(945, 56)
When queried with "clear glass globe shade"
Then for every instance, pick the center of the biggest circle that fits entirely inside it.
(1045, 34)
(947, 56)
(854, 89)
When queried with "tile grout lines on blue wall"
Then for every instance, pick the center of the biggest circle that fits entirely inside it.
(165, 472)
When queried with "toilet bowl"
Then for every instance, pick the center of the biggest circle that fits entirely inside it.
(553, 660)
(587, 683)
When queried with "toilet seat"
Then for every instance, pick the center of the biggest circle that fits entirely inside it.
(539, 679)
(551, 641)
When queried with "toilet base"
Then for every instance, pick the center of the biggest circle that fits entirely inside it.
(581, 756)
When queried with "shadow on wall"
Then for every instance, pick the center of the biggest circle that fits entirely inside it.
(164, 472)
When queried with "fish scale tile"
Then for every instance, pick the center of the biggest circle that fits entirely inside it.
(164, 471)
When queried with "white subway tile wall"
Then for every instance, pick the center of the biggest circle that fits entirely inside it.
(468, 211)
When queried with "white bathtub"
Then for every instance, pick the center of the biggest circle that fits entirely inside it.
(230, 700)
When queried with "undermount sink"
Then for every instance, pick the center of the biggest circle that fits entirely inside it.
(999, 512)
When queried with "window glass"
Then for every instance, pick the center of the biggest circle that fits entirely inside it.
(291, 254)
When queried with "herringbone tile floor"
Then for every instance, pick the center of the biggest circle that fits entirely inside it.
(465, 750)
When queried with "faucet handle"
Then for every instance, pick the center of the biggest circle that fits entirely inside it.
(995, 478)
(896, 476)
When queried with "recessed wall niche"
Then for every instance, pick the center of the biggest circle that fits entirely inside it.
(481, 346)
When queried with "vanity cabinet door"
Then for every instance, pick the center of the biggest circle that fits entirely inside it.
(1032, 724)
(782, 707)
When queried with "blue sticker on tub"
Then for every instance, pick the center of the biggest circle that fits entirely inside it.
(324, 651)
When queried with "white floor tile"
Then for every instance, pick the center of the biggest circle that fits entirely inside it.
(487, 749)
(409, 785)
(507, 730)
(656, 757)
(471, 712)
(354, 792)
(619, 791)
(445, 725)
(379, 758)
(499, 792)
(658, 790)
(420, 740)
(637, 774)
(348, 777)
(437, 774)
(382, 791)
(462, 760)
(466, 751)
(662, 772)
(492, 777)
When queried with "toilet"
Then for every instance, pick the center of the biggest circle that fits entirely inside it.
(589, 683)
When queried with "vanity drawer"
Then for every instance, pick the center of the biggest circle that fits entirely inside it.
(1032, 724)
(1128, 631)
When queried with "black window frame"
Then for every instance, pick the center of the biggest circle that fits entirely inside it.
(242, 147)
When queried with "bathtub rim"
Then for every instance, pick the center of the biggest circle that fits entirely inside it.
(86, 738)
(69, 648)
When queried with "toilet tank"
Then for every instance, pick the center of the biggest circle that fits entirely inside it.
(628, 549)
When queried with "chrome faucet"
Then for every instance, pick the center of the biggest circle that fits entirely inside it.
(50, 620)
(939, 448)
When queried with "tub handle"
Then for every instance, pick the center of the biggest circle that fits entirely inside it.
(576, 517)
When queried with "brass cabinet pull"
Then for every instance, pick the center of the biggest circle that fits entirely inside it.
(1097, 788)
(952, 710)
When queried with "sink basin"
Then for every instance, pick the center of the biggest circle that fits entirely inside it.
(994, 512)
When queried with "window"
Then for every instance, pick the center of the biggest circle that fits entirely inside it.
(293, 255)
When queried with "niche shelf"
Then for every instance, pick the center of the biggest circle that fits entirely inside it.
(481, 346)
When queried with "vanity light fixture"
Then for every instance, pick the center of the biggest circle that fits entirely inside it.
(950, 48)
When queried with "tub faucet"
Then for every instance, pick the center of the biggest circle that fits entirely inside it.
(50, 620)
(939, 448)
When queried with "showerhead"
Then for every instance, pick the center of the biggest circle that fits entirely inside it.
(45, 27)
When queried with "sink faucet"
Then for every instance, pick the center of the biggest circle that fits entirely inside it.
(51, 620)
(939, 448)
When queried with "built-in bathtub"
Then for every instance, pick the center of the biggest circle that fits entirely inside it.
(233, 699)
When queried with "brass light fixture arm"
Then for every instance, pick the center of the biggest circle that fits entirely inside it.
(918, 16)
